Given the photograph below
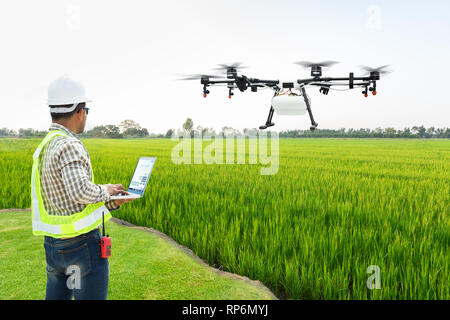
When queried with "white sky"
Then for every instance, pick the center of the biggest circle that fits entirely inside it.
(130, 53)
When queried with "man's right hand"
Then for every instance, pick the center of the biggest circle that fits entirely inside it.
(114, 189)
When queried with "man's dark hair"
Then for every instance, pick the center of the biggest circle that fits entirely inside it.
(67, 115)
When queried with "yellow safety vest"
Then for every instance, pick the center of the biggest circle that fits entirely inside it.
(60, 226)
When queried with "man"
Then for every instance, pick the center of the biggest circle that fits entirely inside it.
(67, 206)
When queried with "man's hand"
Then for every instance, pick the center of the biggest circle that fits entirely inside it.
(114, 189)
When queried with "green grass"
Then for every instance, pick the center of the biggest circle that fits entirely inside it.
(335, 207)
(143, 266)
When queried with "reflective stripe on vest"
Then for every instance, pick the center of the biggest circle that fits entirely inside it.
(60, 226)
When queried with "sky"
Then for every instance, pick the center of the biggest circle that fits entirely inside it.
(129, 55)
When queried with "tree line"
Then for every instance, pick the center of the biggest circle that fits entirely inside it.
(409, 132)
(413, 132)
(131, 129)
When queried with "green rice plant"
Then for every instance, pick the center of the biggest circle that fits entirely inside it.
(310, 231)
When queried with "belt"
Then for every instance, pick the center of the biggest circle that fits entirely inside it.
(84, 234)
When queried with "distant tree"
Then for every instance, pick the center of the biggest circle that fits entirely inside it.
(5, 132)
(208, 132)
(98, 131)
(227, 131)
(422, 131)
(129, 124)
(131, 132)
(26, 132)
(431, 131)
(198, 132)
(144, 132)
(188, 125)
(378, 132)
(134, 132)
(38, 133)
(169, 133)
(112, 131)
(440, 132)
(390, 132)
(406, 133)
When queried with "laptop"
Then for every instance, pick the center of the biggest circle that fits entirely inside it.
(140, 179)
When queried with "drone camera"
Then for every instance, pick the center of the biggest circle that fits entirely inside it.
(288, 85)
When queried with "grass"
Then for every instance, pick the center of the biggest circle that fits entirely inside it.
(143, 266)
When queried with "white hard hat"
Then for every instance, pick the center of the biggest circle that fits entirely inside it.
(66, 90)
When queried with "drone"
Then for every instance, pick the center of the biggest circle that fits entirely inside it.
(290, 98)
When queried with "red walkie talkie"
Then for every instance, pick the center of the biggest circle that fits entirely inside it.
(105, 242)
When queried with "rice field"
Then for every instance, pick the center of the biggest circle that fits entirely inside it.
(311, 231)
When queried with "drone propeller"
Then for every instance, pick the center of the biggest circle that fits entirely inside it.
(230, 69)
(380, 70)
(308, 64)
(236, 66)
(316, 67)
(199, 77)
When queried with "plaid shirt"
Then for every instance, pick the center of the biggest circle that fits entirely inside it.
(66, 173)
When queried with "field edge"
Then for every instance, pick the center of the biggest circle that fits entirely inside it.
(185, 249)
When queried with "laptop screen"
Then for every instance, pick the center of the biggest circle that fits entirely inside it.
(141, 175)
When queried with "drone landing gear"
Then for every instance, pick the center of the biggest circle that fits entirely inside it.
(269, 122)
(314, 124)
